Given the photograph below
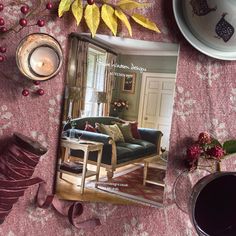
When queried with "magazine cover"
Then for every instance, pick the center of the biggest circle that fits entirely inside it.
(116, 120)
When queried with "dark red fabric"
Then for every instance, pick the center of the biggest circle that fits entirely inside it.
(90, 128)
(16, 169)
(134, 130)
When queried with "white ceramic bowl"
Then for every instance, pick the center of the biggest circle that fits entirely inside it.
(209, 25)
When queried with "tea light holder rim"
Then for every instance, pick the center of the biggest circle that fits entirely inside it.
(39, 39)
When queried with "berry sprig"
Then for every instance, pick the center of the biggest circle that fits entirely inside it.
(36, 90)
(28, 14)
(90, 2)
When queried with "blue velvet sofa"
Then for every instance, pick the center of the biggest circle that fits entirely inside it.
(116, 154)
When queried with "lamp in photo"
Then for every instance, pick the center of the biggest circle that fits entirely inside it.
(73, 95)
(99, 97)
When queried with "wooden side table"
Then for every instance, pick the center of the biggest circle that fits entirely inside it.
(157, 163)
(87, 147)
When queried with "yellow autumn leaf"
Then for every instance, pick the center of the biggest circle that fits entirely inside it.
(130, 4)
(109, 18)
(145, 22)
(63, 7)
(124, 19)
(77, 10)
(92, 18)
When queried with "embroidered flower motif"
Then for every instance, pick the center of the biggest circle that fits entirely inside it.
(54, 109)
(39, 215)
(54, 29)
(217, 129)
(185, 104)
(40, 138)
(103, 210)
(73, 232)
(10, 233)
(5, 117)
(134, 228)
(207, 69)
(233, 99)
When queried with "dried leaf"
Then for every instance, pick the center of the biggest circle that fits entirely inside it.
(109, 18)
(92, 18)
(77, 10)
(124, 19)
(64, 6)
(145, 22)
(130, 4)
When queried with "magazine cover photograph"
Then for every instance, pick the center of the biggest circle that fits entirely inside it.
(116, 120)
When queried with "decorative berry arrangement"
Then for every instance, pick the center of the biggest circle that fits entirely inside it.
(28, 17)
(29, 14)
(35, 90)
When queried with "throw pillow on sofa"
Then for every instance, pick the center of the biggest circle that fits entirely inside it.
(134, 128)
(112, 130)
(126, 131)
(89, 128)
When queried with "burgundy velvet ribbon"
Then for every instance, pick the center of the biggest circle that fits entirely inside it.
(16, 169)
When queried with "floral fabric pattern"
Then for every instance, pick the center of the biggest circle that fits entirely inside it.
(205, 100)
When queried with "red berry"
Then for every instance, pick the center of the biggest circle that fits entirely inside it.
(24, 9)
(41, 23)
(3, 29)
(1, 7)
(25, 92)
(23, 22)
(90, 2)
(49, 6)
(2, 22)
(1, 58)
(3, 49)
(40, 92)
(36, 82)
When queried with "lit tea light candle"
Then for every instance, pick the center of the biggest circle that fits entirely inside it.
(44, 61)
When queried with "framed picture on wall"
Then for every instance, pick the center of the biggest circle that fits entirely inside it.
(128, 83)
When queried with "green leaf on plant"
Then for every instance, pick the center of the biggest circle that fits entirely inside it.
(230, 146)
(215, 142)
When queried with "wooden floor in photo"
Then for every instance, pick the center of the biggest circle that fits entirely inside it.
(131, 190)
(67, 191)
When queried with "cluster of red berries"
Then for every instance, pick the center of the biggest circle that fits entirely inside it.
(25, 10)
(22, 22)
(2, 50)
(38, 91)
(90, 2)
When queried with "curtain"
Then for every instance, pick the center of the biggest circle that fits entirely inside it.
(109, 81)
(77, 75)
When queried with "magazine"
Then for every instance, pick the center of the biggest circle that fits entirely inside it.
(116, 120)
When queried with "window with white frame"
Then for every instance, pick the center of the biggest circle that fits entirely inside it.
(96, 64)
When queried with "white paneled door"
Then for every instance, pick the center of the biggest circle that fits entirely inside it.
(156, 103)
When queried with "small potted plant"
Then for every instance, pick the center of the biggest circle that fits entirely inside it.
(208, 147)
